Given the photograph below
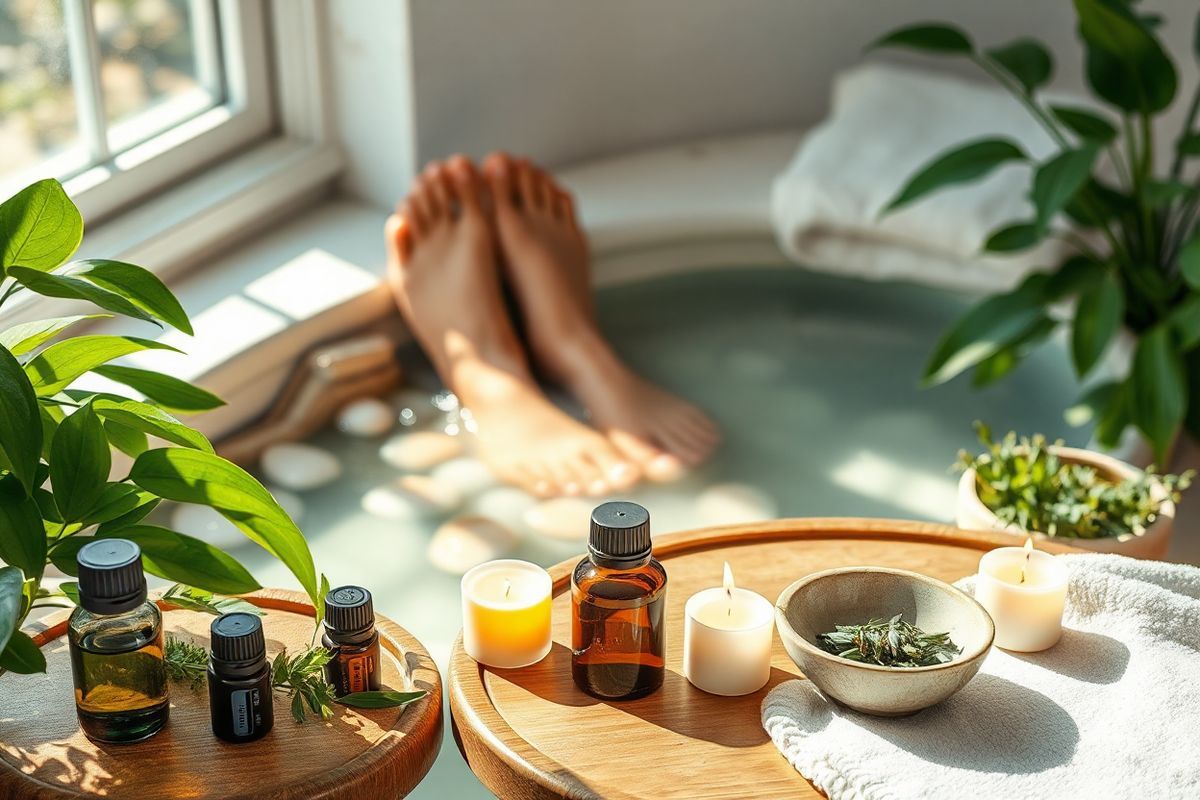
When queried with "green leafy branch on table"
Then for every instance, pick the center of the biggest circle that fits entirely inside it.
(1135, 242)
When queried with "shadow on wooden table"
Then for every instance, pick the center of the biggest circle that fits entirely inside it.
(678, 706)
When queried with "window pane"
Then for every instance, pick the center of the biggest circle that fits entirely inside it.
(153, 55)
(37, 105)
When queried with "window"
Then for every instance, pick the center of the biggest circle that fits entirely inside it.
(117, 98)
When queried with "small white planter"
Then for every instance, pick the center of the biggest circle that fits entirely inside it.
(973, 515)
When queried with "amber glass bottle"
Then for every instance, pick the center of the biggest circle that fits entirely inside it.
(352, 640)
(619, 592)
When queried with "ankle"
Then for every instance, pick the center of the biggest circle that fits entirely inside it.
(582, 360)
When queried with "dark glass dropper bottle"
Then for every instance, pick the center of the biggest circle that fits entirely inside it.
(351, 638)
(619, 592)
(239, 679)
(116, 642)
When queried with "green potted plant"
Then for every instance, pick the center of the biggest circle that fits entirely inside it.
(56, 487)
(1029, 486)
(1127, 212)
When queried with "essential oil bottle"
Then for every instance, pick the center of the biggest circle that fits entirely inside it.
(618, 594)
(239, 679)
(116, 643)
(351, 637)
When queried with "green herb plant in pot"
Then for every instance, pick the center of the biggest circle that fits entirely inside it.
(1030, 487)
(1127, 211)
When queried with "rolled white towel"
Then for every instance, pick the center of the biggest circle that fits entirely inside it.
(886, 123)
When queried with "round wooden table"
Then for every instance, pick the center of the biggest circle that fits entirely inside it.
(529, 733)
(357, 754)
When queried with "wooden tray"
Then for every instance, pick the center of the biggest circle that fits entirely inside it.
(530, 733)
(358, 754)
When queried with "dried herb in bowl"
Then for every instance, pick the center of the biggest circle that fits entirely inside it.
(889, 643)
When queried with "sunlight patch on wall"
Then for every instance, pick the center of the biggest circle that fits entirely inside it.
(310, 283)
(879, 478)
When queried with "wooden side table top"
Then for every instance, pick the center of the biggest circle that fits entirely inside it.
(357, 754)
(530, 733)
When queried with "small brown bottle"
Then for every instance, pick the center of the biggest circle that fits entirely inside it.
(618, 593)
(351, 637)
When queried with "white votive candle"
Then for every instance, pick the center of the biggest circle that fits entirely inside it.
(506, 613)
(727, 639)
(1025, 591)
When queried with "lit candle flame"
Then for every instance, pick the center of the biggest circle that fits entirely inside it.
(1028, 554)
(727, 582)
(507, 587)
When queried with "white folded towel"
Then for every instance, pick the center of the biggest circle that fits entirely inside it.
(887, 122)
(1112, 710)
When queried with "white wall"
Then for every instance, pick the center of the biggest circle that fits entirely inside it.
(568, 80)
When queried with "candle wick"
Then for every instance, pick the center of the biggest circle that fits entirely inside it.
(1024, 567)
(508, 588)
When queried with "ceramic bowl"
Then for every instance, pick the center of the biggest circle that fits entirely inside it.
(853, 595)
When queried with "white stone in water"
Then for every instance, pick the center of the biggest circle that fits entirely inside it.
(565, 518)
(731, 503)
(290, 502)
(299, 467)
(412, 497)
(467, 541)
(504, 504)
(368, 416)
(414, 407)
(206, 524)
(469, 475)
(419, 450)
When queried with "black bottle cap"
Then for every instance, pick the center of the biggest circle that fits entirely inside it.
(349, 610)
(620, 534)
(111, 580)
(237, 638)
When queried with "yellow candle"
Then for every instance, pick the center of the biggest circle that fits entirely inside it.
(506, 613)
(727, 639)
(1024, 590)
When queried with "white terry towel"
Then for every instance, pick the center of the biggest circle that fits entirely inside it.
(887, 122)
(1111, 711)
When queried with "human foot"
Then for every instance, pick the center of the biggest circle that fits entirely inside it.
(443, 273)
(545, 257)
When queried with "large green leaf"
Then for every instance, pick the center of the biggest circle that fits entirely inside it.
(20, 339)
(1096, 204)
(1011, 238)
(1072, 276)
(150, 419)
(1158, 399)
(147, 503)
(929, 38)
(72, 288)
(12, 583)
(141, 287)
(165, 390)
(1026, 60)
(1189, 144)
(1087, 125)
(129, 441)
(1192, 420)
(983, 331)
(186, 559)
(192, 476)
(1189, 261)
(116, 501)
(22, 656)
(1097, 318)
(39, 227)
(53, 369)
(20, 421)
(22, 537)
(1005, 360)
(1126, 64)
(963, 164)
(79, 463)
(1092, 405)
(1184, 319)
(1057, 181)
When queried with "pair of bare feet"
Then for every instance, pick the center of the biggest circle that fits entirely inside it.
(456, 240)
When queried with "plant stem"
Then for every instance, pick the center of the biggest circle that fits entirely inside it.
(1023, 97)
(1148, 170)
(1189, 121)
(12, 289)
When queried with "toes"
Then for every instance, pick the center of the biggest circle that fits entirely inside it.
(564, 207)
(591, 479)
(616, 472)
(435, 186)
(664, 468)
(498, 167)
(529, 187)
(466, 183)
(397, 232)
(410, 211)
(654, 462)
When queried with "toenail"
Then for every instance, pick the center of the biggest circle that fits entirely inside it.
(597, 487)
(618, 471)
(571, 487)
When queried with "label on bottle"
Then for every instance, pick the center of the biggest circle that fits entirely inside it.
(245, 708)
(358, 673)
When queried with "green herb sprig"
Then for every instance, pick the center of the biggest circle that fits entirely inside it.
(889, 643)
(302, 677)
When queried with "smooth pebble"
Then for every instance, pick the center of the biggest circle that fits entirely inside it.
(412, 497)
(503, 503)
(729, 503)
(290, 502)
(206, 524)
(467, 541)
(561, 518)
(414, 407)
(299, 467)
(470, 475)
(368, 416)
(418, 451)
